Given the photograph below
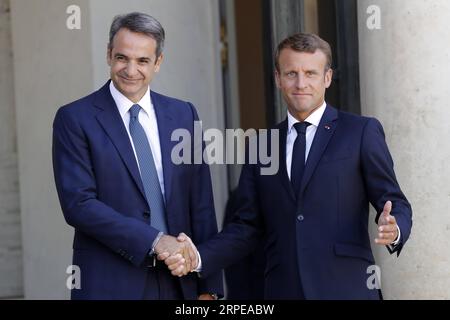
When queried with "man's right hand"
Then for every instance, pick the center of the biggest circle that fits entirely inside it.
(181, 251)
(179, 264)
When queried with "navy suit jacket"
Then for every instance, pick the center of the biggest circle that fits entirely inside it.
(319, 238)
(102, 196)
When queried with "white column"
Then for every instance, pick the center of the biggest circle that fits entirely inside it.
(405, 83)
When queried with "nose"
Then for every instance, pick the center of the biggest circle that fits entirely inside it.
(301, 81)
(131, 69)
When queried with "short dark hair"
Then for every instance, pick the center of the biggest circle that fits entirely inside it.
(140, 23)
(305, 42)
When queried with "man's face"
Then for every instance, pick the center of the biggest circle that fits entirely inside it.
(303, 80)
(133, 63)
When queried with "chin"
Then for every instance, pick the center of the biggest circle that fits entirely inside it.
(300, 109)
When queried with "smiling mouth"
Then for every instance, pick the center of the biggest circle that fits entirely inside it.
(129, 80)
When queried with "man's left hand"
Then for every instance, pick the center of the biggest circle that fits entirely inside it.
(387, 226)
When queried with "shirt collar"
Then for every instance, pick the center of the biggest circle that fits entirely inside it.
(124, 104)
(314, 118)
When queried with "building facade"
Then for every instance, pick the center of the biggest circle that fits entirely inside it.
(393, 61)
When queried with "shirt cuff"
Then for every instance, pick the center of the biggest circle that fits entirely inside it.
(155, 242)
(199, 267)
(396, 241)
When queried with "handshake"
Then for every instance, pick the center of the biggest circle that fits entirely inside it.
(179, 254)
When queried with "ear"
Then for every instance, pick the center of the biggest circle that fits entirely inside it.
(328, 78)
(277, 79)
(108, 55)
(159, 62)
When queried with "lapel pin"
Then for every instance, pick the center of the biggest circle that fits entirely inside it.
(327, 127)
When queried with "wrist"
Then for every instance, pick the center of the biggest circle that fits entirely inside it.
(155, 242)
(208, 296)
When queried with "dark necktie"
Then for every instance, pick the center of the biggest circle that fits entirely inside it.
(298, 156)
(149, 175)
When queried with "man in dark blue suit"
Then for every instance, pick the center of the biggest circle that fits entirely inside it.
(244, 279)
(117, 184)
(314, 211)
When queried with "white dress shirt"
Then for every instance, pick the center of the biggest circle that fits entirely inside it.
(314, 119)
(147, 119)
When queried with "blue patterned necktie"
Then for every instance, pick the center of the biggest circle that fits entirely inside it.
(298, 156)
(149, 176)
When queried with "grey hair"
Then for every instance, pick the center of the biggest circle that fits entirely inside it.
(140, 23)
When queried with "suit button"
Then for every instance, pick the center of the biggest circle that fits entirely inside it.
(146, 214)
(300, 217)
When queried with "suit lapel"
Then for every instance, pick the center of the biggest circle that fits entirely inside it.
(112, 123)
(324, 132)
(283, 169)
(166, 125)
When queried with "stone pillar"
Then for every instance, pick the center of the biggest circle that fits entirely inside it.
(10, 239)
(405, 80)
(54, 65)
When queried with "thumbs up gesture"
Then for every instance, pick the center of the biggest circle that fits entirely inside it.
(387, 226)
